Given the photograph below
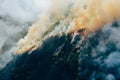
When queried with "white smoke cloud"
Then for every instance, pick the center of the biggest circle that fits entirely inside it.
(107, 53)
(113, 60)
(15, 18)
(110, 77)
(22, 10)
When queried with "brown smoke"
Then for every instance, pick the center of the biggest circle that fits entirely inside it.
(90, 15)
(96, 14)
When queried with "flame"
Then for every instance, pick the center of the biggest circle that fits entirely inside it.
(91, 16)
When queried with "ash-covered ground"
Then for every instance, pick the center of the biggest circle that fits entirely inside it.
(97, 58)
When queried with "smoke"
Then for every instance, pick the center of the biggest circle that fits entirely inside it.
(15, 18)
(105, 53)
(22, 11)
(99, 53)
(55, 16)
(114, 39)
(69, 16)
(96, 58)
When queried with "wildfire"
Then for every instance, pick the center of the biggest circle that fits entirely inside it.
(90, 17)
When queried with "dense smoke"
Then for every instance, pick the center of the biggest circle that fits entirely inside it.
(58, 50)
(99, 56)
(68, 17)
(15, 18)
(96, 58)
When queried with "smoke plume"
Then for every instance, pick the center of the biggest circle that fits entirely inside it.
(69, 16)
(15, 18)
